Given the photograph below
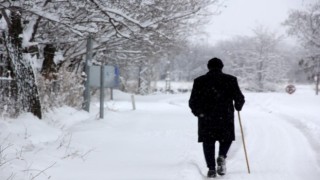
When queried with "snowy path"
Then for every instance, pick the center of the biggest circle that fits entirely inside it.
(159, 141)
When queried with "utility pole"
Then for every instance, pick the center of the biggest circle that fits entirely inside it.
(86, 104)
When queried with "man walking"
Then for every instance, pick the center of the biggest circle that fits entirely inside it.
(213, 99)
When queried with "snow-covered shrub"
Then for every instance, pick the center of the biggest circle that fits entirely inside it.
(7, 98)
(66, 89)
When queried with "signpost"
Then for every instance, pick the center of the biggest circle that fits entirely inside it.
(103, 77)
(99, 77)
(111, 76)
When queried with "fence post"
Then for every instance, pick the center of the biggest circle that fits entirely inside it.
(133, 102)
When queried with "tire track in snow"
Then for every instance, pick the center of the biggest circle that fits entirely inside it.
(279, 107)
(277, 150)
(307, 129)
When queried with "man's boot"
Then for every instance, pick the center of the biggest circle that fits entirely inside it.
(212, 174)
(221, 170)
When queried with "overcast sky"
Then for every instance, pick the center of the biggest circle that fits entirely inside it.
(239, 17)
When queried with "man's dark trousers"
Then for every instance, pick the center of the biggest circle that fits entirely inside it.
(209, 152)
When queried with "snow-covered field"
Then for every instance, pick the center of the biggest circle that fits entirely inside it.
(158, 141)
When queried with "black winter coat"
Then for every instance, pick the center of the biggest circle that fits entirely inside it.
(213, 99)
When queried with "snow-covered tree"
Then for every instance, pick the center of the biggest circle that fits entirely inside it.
(261, 61)
(258, 60)
(305, 26)
(269, 63)
(27, 97)
(47, 35)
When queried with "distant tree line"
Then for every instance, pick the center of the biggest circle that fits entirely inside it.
(262, 61)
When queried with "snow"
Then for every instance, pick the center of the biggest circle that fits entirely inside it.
(47, 15)
(6, 78)
(159, 140)
(58, 57)
(3, 24)
(27, 34)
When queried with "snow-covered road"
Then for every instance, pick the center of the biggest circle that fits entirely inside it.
(158, 141)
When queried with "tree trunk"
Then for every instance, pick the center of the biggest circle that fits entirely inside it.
(28, 94)
(260, 76)
(49, 68)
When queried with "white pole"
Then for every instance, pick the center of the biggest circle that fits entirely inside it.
(133, 102)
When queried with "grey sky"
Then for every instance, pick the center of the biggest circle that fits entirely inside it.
(241, 16)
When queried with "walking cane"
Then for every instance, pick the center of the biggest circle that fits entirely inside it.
(244, 143)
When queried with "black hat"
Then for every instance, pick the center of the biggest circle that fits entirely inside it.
(215, 63)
